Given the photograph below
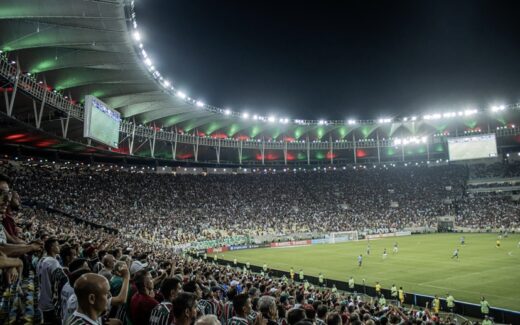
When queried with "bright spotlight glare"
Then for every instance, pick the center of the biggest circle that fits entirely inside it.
(148, 62)
(227, 111)
(245, 115)
(199, 103)
(181, 95)
(137, 36)
(270, 119)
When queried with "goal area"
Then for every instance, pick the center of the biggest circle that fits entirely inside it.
(343, 236)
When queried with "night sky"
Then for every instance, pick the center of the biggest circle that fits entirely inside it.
(337, 60)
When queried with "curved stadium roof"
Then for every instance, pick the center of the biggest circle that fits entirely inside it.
(86, 47)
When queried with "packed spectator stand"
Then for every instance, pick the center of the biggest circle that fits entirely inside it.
(62, 271)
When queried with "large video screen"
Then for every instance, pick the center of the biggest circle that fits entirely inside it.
(473, 147)
(101, 122)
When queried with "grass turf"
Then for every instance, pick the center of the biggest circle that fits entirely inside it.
(422, 265)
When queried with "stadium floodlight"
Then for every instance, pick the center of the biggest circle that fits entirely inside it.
(167, 83)
(351, 122)
(271, 119)
(498, 108)
(137, 36)
(255, 117)
(321, 122)
(414, 118)
(181, 95)
(227, 111)
(470, 112)
(405, 119)
(199, 103)
(148, 62)
(245, 115)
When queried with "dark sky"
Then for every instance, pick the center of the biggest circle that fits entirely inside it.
(337, 59)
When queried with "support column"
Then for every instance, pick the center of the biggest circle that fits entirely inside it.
(285, 152)
(378, 147)
(65, 126)
(427, 150)
(354, 144)
(174, 147)
(38, 115)
(240, 147)
(308, 152)
(217, 149)
(131, 149)
(263, 151)
(331, 150)
(152, 143)
(196, 149)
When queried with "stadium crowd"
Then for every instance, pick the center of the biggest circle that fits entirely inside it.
(61, 271)
(186, 208)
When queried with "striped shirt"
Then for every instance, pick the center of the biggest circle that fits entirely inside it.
(228, 313)
(81, 319)
(161, 314)
(238, 321)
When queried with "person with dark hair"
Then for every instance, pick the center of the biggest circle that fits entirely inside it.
(185, 308)
(77, 267)
(161, 314)
(228, 306)
(334, 319)
(295, 315)
(321, 314)
(10, 246)
(67, 254)
(52, 279)
(242, 306)
(108, 266)
(143, 301)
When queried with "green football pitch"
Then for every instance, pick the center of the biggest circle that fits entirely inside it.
(422, 265)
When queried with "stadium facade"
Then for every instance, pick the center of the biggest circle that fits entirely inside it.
(54, 53)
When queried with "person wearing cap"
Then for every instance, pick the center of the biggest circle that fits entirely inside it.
(161, 314)
(137, 266)
(143, 301)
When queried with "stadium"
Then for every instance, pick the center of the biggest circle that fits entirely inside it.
(127, 201)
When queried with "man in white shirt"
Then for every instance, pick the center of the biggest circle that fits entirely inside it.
(51, 278)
